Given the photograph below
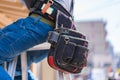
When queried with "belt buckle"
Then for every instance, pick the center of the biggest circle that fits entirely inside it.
(46, 6)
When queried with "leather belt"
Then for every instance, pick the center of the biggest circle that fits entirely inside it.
(42, 19)
(48, 9)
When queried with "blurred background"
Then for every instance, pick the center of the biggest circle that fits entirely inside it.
(99, 20)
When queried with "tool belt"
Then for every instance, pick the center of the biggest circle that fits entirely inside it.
(48, 9)
(69, 49)
(68, 52)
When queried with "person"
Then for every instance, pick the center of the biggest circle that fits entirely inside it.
(30, 31)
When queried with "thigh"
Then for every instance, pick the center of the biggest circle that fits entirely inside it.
(14, 39)
(22, 35)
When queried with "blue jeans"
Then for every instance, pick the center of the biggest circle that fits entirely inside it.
(20, 36)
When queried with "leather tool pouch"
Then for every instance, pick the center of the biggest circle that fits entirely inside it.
(68, 50)
(64, 21)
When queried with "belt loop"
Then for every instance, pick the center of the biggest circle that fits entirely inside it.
(37, 19)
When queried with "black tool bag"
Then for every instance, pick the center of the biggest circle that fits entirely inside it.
(68, 50)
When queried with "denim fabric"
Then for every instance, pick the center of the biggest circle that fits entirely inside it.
(36, 56)
(4, 75)
(19, 36)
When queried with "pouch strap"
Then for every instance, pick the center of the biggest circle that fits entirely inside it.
(68, 52)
